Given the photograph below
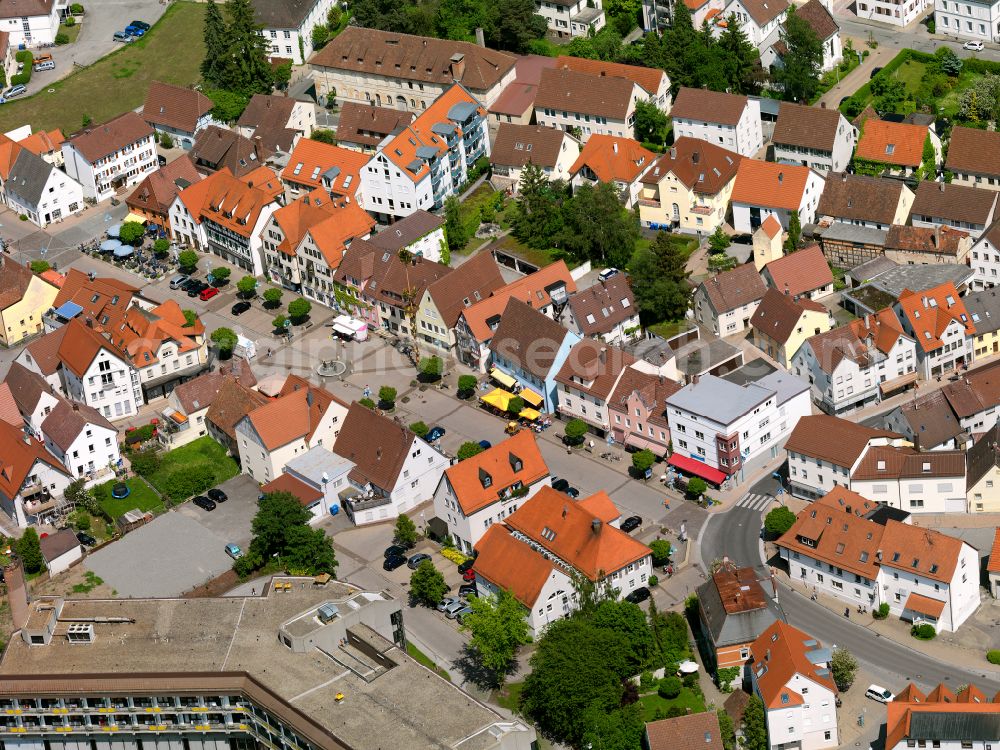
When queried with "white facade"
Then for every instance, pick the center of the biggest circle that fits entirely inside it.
(968, 19)
(895, 12)
(63, 562)
(389, 190)
(24, 512)
(296, 42)
(957, 347)
(809, 724)
(745, 138)
(35, 30)
(127, 166)
(747, 217)
(59, 198)
(985, 262)
(571, 17)
(94, 449)
(591, 123)
(915, 495)
(837, 159)
(110, 385)
(556, 599)
(759, 36)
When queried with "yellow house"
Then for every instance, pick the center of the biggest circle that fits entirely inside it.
(781, 324)
(983, 473)
(688, 188)
(443, 300)
(24, 298)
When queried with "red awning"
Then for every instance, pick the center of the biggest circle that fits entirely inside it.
(924, 605)
(698, 468)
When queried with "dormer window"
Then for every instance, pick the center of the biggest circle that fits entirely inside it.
(916, 562)
(516, 464)
(485, 479)
(895, 557)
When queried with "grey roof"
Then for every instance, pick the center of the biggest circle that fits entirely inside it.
(750, 372)
(885, 513)
(984, 308)
(702, 355)
(947, 725)
(784, 384)
(318, 462)
(282, 14)
(768, 106)
(920, 277)
(730, 629)
(461, 111)
(719, 399)
(842, 232)
(870, 269)
(28, 177)
(406, 231)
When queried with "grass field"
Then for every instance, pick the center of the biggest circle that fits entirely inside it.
(170, 52)
(687, 699)
(419, 656)
(202, 460)
(141, 497)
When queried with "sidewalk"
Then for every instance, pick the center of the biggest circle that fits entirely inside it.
(857, 77)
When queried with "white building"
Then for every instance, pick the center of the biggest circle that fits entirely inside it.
(32, 24)
(112, 156)
(33, 187)
(727, 120)
(480, 491)
(762, 22)
(726, 302)
(60, 551)
(287, 26)
(821, 139)
(972, 19)
(790, 672)
(429, 160)
(317, 478)
(923, 575)
(931, 482)
(569, 18)
(764, 188)
(551, 150)
(893, 12)
(585, 104)
(178, 112)
(985, 258)
(942, 327)
(819, 15)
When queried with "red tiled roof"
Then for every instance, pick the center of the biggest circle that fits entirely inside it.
(311, 160)
(769, 184)
(510, 564)
(895, 143)
(783, 650)
(800, 272)
(931, 311)
(648, 79)
(613, 159)
(993, 565)
(305, 494)
(483, 479)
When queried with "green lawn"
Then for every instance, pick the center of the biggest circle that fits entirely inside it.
(419, 656)
(71, 31)
(141, 497)
(910, 74)
(203, 459)
(510, 697)
(170, 52)
(687, 699)
(470, 215)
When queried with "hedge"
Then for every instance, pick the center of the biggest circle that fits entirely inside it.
(993, 657)
(864, 94)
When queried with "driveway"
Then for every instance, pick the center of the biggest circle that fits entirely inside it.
(230, 521)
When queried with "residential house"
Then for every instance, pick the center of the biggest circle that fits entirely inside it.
(768, 243)
(983, 473)
(47, 144)
(726, 302)
(928, 422)
(973, 156)
(363, 126)
(790, 673)
(515, 146)
(605, 311)
(821, 139)
(32, 25)
(305, 242)
(886, 11)
(24, 299)
(656, 16)
(974, 398)
(316, 478)
(953, 205)
(637, 409)
(984, 309)
(969, 717)
(717, 425)
(394, 470)
(592, 104)
(287, 26)
(765, 189)
(185, 415)
(429, 160)
(902, 478)
(804, 274)
(922, 245)
(985, 258)
(727, 120)
(32, 186)
(32, 481)
(977, 21)
(178, 112)
(782, 323)
(443, 300)
(857, 364)
(733, 610)
(480, 491)
(383, 285)
(939, 322)
(218, 148)
(301, 417)
(315, 165)
(103, 300)
(690, 731)
(109, 157)
(864, 201)
(60, 551)
(587, 379)
(570, 18)
(688, 188)
(842, 546)
(896, 148)
(516, 104)
(540, 548)
(406, 72)
(820, 18)
(421, 235)
(153, 196)
(278, 122)
(762, 22)
(531, 348)
(230, 406)
(546, 290)
(653, 81)
(620, 161)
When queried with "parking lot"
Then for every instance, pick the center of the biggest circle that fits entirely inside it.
(230, 521)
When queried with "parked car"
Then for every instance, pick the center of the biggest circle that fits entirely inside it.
(485, 444)
(414, 562)
(875, 72)
(38, 67)
(607, 273)
(134, 31)
(196, 288)
(86, 539)
(641, 594)
(454, 608)
(469, 575)
(234, 551)
(560, 485)
(15, 91)
(435, 433)
(140, 25)
(467, 565)
(631, 524)
(179, 280)
(879, 693)
(239, 308)
(395, 550)
(447, 602)
(460, 615)
(393, 561)
(217, 495)
(203, 502)
(121, 36)
(468, 589)
(573, 492)
(974, 45)
(206, 294)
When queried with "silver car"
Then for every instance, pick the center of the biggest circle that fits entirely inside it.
(447, 602)
(452, 610)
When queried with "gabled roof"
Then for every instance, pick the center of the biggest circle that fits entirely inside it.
(799, 272)
(954, 202)
(200, 392)
(41, 142)
(57, 544)
(332, 223)
(974, 150)
(857, 340)
(229, 202)
(735, 606)
(604, 96)
(489, 476)
(940, 240)
(157, 190)
(764, 11)
(517, 145)
(26, 388)
(44, 352)
(68, 419)
(932, 422)
(807, 127)
(600, 504)
(930, 312)
(314, 164)
(294, 415)
(81, 345)
(28, 177)
(604, 305)
(367, 125)
(217, 148)
(14, 282)
(993, 564)
(377, 445)
(175, 107)
(936, 555)
(98, 141)
(554, 521)
(780, 653)
(648, 79)
(233, 402)
(860, 197)
(894, 143)
(103, 300)
(819, 19)
(691, 732)
(699, 165)
(510, 564)
(143, 332)
(613, 159)
(383, 276)
(593, 367)
(528, 338)
(652, 390)
(708, 106)
(18, 456)
(778, 314)
(839, 441)
(404, 232)
(732, 289)
(943, 717)
(771, 185)
(977, 391)
(9, 412)
(474, 280)
(903, 462)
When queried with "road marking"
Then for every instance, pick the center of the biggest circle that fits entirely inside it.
(753, 501)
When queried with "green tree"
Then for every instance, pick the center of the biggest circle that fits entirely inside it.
(843, 667)
(299, 309)
(597, 227)
(308, 551)
(405, 533)
(513, 24)
(277, 513)
(650, 123)
(246, 286)
(537, 216)
(740, 58)
(623, 14)
(272, 296)
(755, 725)
(727, 732)
(498, 627)
(420, 428)
(188, 260)
(431, 368)
(427, 585)
(696, 487)
(227, 106)
(161, 247)
(681, 48)
(670, 687)
(794, 239)
(661, 552)
(245, 68)
(660, 279)
(282, 74)
(643, 460)
(324, 136)
(575, 430)
(214, 33)
(889, 94)
(131, 232)
(466, 385)
(468, 450)
(515, 406)
(778, 521)
(145, 463)
(718, 241)
(225, 341)
(29, 550)
(280, 322)
(320, 34)
(190, 318)
(798, 75)
(221, 274)
(387, 397)
(454, 227)
(948, 61)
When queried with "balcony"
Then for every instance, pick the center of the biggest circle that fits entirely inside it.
(649, 203)
(701, 210)
(356, 504)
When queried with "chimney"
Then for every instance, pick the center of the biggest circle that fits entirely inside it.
(595, 525)
(17, 593)
(480, 37)
(602, 355)
(457, 66)
(615, 146)
(822, 105)
(565, 511)
(76, 406)
(781, 177)
(378, 453)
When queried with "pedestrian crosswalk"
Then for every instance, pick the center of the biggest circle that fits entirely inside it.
(753, 501)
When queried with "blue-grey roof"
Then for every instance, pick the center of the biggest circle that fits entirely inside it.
(820, 655)
(426, 152)
(332, 173)
(784, 384)
(842, 232)
(718, 399)
(28, 177)
(316, 462)
(443, 128)
(984, 309)
(69, 310)
(917, 278)
(462, 111)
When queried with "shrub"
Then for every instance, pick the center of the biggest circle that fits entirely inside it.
(993, 656)
(696, 487)
(387, 397)
(161, 247)
(924, 632)
(76, 9)
(575, 430)
(21, 78)
(431, 368)
(881, 612)
(145, 462)
(661, 552)
(62, 38)
(299, 309)
(653, 581)
(466, 385)
(40, 266)
(367, 403)
(468, 450)
(670, 687)
(188, 260)
(24, 56)
(778, 521)
(420, 429)
(70, 21)
(166, 141)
